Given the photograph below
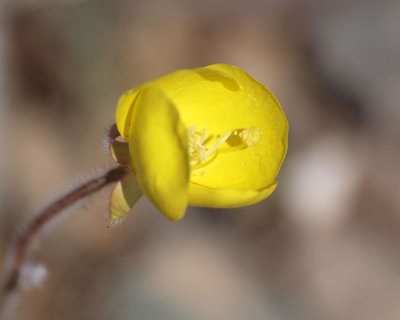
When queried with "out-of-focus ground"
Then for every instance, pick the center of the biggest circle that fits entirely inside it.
(325, 245)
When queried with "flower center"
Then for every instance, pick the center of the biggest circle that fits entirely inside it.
(200, 155)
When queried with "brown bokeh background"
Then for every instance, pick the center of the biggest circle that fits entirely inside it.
(325, 245)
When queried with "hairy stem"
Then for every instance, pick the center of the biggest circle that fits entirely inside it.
(25, 237)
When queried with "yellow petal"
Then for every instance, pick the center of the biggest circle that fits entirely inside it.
(201, 196)
(124, 110)
(120, 152)
(221, 98)
(254, 106)
(158, 146)
(125, 194)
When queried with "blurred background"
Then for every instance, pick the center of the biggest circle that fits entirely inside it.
(325, 245)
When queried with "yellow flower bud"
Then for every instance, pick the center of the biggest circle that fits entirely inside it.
(211, 137)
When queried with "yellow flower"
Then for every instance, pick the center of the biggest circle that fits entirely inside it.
(210, 137)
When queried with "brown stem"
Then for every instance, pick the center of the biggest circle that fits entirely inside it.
(25, 237)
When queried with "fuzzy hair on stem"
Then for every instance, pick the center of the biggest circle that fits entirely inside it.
(26, 235)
